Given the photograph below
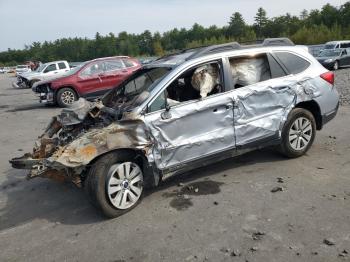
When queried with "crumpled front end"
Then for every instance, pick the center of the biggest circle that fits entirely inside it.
(76, 137)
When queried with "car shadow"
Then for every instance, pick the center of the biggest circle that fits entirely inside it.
(63, 203)
(30, 107)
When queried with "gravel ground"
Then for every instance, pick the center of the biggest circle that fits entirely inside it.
(342, 80)
(257, 207)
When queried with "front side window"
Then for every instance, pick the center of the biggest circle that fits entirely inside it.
(93, 69)
(198, 82)
(293, 63)
(50, 68)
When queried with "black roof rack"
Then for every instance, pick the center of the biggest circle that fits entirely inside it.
(237, 46)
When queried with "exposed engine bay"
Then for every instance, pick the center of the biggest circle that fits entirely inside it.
(68, 126)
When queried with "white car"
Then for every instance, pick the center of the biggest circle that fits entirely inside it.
(44, 72)
(20, 69)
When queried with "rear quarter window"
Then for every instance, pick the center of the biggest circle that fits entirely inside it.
(293, 63)
(62, 66)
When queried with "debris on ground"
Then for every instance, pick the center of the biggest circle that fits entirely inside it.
(253, 249)
(280, 180)
(276, 189)
(196, 190)
(216, 203)
(235, 253)
(258, 235)
(329, 241)
(344, 253)
(321, 168)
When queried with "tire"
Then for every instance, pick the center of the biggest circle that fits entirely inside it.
(31, 83)
(336, 65)
(66, 96)
(105, 188)
(298, 133)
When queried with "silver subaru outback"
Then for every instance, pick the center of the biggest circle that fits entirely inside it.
(183, 111)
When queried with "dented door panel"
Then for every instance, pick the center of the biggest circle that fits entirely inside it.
(260, 110)
(194, 130)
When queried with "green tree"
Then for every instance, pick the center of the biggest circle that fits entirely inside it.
(237, 26)
(260, 21)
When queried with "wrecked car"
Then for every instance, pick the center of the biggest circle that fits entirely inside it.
(184, 111)
(90, 80)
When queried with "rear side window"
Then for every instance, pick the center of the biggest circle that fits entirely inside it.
(62, 66)
(293, 63)
(247, 70)
(111, 65)
(128, 63)
(345, 45)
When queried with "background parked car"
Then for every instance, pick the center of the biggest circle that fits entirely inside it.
(20, 69)
(337, 44)
(45, 71)
(334, 59)
(91, 80)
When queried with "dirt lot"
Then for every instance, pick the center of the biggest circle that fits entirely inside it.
(234, 216)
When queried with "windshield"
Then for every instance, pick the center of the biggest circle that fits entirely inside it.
(75, 69)
(329, 53)
(134, 91)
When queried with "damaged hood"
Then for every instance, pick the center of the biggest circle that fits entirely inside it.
(78, 135)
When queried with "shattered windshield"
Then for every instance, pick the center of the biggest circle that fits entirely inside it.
(136, 89)
(329, 53)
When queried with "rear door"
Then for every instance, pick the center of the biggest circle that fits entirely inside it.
(114, 73)
(260, 102)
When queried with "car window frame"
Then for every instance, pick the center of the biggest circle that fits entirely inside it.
(293, 53)
(88, 65)
(45, 72)
(219, 60)
(121, 62)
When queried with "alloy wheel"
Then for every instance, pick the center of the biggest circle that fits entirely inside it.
(124, 184)
(68, 97)
(300, 133)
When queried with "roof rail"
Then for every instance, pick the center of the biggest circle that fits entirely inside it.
(214, 49)
(283, 41)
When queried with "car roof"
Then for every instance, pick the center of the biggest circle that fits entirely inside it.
(175, 59)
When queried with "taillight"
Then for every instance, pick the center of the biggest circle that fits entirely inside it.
(328, 76)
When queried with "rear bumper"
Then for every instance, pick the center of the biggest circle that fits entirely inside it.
(329, 116)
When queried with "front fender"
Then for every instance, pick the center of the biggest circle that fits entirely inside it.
(86, 148)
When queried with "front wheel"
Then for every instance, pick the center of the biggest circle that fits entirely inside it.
(114, 184)
(66, 96)
(298, 133)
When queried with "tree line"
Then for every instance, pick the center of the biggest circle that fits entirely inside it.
(310, 27)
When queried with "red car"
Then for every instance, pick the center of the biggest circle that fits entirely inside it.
(90, 80)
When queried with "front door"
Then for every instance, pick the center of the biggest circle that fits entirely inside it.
(190, 130)
(90, 79)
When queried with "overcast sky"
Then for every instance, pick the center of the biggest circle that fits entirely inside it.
(25, 21)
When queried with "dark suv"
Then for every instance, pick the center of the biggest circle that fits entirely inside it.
(90, 80)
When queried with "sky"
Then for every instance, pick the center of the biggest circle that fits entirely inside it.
(25, 21)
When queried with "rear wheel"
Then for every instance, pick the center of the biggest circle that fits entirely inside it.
(336, 65)
(66, 96)
(298, 133)
(115, 184)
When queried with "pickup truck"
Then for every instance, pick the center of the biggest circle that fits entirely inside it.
(46, 71)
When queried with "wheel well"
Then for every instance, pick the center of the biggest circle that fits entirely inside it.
(314, 108)
(151, 176)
